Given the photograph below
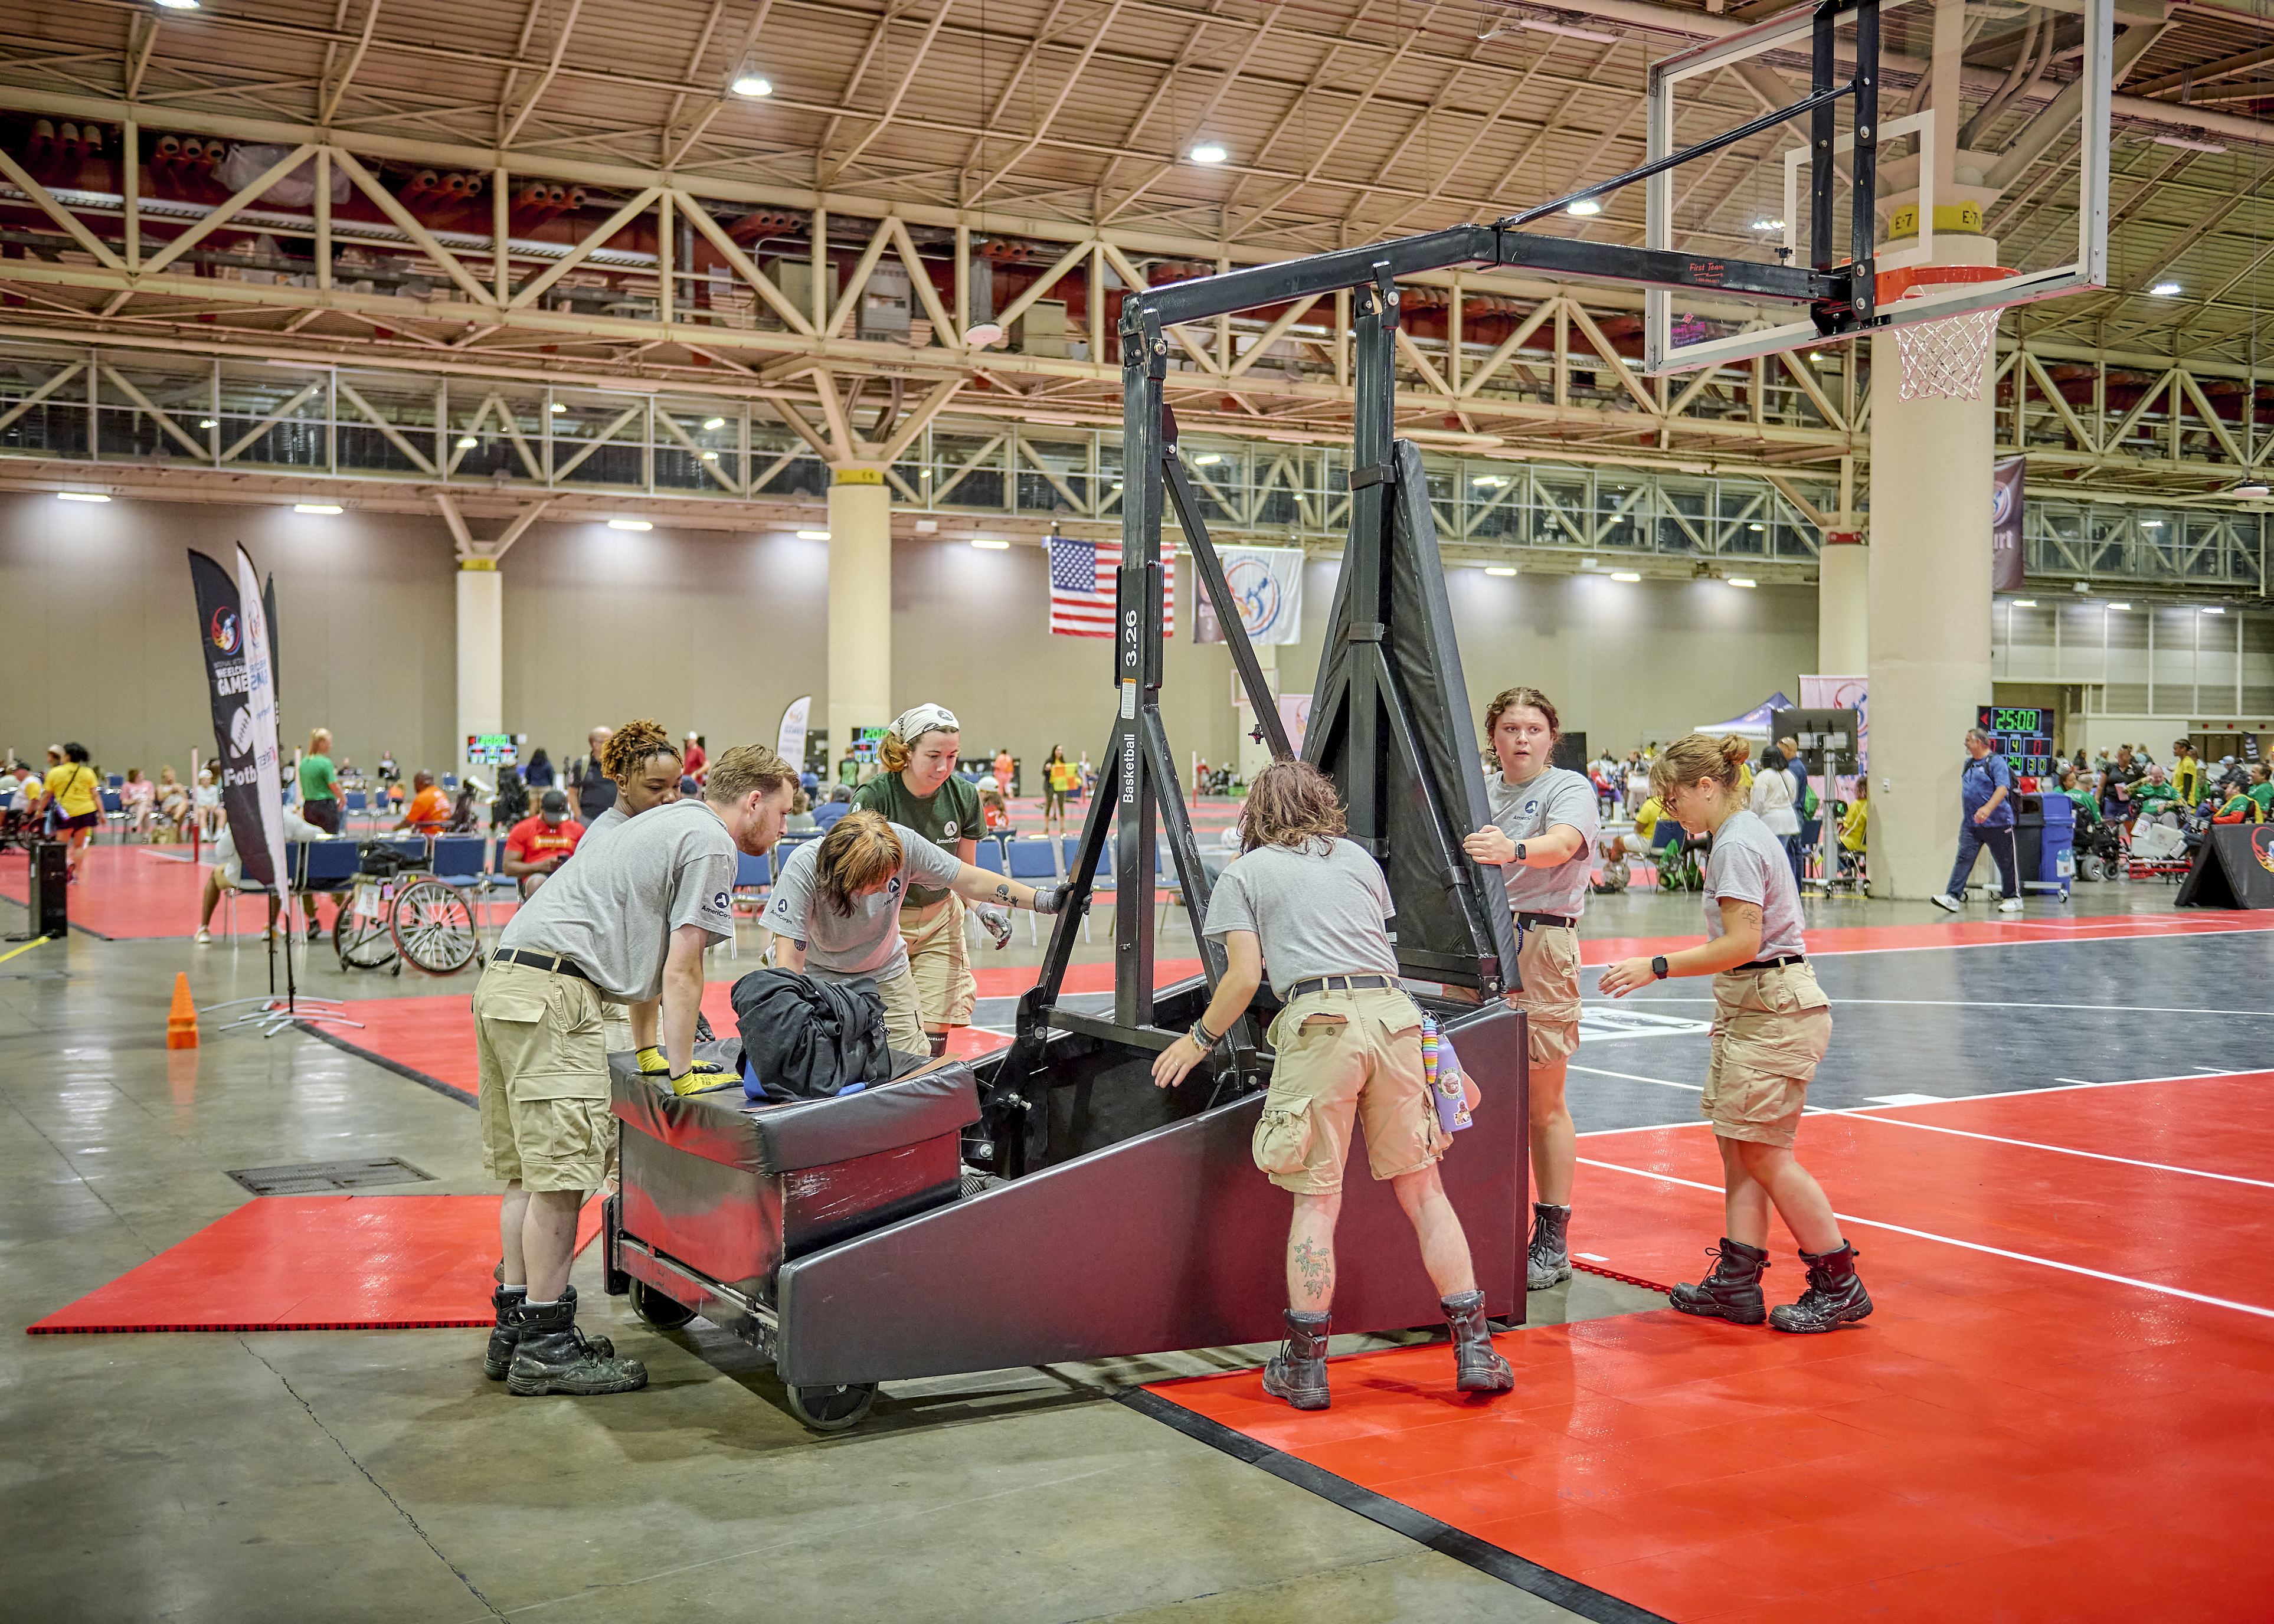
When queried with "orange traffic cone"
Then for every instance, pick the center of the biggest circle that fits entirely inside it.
(182, 1019)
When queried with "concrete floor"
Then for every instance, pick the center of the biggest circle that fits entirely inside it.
(292, 1476)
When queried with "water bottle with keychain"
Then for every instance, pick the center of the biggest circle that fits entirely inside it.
(1442, 1069)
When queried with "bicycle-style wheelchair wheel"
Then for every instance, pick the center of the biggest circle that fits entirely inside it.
(435, 928)
(362, 940)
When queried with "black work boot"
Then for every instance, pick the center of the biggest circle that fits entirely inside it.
(1733, 1291)
(1480, 1366)
(1835, 1295)
(553, 1357)
(505, 1335)
(1297, 1371)
(1549, 1261)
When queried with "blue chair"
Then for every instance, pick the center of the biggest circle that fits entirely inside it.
(1036, 862)
(325, 866)
(449, 781)
(357, 804)
(461, 862)
(987, 853)
(752, 877)
(114, 806)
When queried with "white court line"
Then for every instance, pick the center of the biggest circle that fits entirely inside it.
(1631, 1077)
(1997, 1138)
(1987, 1004)
(1947, 1240)
(1944, 947)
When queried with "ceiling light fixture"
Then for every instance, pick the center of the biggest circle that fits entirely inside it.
(178, 5)
(316, 508)
(714, 423)
(1624, 574)
(813, 535)
(2152, 524)
(557, 406)
(710, 457)
(1499, 569)
(1208, 152)
(629, 524)
(1208, 459)
(2082, 587)
(467, 442)
(1768, 225)
(82, 496)
(753, 85)
(1747, 582)
(2025, 603)
(989, 543)
(2119, 605)
(2252, 487)
(2185, 145)
(207, 423)
(982, 334)
(1585, 206)
(2163, 289)
(2213, 609)
(1489, 482)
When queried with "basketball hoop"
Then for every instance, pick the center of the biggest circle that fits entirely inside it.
(1945, 359)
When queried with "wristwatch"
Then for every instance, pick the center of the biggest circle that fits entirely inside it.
(1519, 852)
(1658, 966)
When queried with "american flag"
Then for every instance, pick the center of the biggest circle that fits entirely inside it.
(1082, 582)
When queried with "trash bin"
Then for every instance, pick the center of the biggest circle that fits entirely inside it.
(2028, 835)
(2055, 863)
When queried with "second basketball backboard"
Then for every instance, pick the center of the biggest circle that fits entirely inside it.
(2019, 192)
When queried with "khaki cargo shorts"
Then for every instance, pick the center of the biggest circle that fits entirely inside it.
(1345, 1057)
(941, 963)
(1770, 1030)
(545, 1091)
(1548, 963)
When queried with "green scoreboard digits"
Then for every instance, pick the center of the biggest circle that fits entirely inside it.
(2022, 735)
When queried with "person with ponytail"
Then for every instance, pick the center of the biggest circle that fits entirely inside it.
(1771, 1025)
(1542, 839)
(918, 789)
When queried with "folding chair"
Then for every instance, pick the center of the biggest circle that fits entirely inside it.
(354, 807)
(1033, 861)
(460, 862)
(327, 866)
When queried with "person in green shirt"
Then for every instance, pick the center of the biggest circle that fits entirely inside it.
(319, 784)
(2262, 791)
(2154, 796)
(2087, 809)
(916, 787)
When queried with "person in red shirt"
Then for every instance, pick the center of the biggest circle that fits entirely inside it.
(537, 845)
(430, 808)
(693, 761)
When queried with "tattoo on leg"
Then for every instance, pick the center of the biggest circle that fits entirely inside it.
(1315, 1264)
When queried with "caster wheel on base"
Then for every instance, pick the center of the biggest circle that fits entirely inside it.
(833, 1409)
(664, 1313)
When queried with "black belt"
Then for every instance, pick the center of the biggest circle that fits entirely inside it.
(554, 962)
(1341, 983)
(1532, 921)
(1774, 964)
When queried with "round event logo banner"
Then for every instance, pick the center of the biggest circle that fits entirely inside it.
(2262, 845)
(1255, 592)
(224, 629)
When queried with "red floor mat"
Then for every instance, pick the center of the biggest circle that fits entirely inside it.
(2001, 1440)
(314, 1263)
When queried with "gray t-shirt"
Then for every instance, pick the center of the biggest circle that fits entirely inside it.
(1320, 910)
(615, 818)
(1528, 811)
(866, 942)
(1749, 864)
(613, 907)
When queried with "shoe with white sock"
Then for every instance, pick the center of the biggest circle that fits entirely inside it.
(2012, 905)
(203, 937)
(1945, 901)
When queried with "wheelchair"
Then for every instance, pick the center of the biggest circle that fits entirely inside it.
(394, 911)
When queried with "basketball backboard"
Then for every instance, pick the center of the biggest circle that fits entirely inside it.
(2025, 168)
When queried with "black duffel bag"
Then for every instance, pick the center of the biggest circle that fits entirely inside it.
(804, 1039)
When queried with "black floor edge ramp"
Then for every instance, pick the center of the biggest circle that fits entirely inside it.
(377, 1060)
(1506, 1566)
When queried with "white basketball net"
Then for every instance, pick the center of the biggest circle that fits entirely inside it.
(1945, 359)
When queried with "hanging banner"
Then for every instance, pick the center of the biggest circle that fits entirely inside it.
(2005, 481)
(244, 711)
(1267, 583)
(789, 738)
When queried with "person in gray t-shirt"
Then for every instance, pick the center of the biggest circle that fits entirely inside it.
(1542, 837)
(835, 912)
(644, 765)
(1316, 909)
(626, 920)
(1771, 1025)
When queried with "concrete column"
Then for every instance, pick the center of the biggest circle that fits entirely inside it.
(859, 604)
(481, 653)
(1843, 600)
(1928, 567)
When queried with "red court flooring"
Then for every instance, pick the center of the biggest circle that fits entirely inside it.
(2061, 1409)
(314, 1263)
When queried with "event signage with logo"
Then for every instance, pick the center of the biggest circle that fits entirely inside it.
(236, 631)
(789, 738)
(2007, 565)
(1267, 583)
(2233, 869)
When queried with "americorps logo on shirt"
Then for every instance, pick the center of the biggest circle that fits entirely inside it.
(718, 903)
(948, 829)
(781, 906)
(893, 885)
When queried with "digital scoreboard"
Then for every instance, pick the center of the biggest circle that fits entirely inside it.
(2024, 736)
(493, 750)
